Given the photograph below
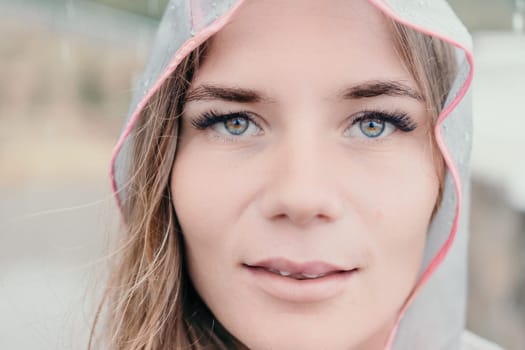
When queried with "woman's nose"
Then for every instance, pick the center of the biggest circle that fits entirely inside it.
(301, 185)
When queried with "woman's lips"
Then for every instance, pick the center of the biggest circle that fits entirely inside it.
(312, 281)
(309, 268)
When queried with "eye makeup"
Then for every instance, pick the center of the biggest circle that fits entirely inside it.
(212, 117)
(397, 119)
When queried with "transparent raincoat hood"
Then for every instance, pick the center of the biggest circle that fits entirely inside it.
(434, 314)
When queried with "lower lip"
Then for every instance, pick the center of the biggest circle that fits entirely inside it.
(301, 291)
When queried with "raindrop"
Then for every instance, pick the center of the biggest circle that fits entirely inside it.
(145, 86)
(192, 32)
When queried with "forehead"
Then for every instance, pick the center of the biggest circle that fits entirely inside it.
(307, 40)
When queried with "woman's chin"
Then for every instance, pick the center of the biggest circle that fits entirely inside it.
(306, 341)
(313, 336)
(303, 342)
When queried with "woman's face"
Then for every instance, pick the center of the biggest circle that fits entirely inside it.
(304, 180)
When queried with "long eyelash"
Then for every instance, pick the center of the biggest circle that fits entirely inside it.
(212, 117)
(399, 119)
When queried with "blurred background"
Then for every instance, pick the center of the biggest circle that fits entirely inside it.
(67, 71)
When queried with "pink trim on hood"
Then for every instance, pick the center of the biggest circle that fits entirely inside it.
(180, 54)
(383, 6)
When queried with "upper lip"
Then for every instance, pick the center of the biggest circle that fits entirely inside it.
(308, 267)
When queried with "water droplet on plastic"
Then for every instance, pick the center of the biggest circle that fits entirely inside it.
(145, 86)
(192, 32)
(466, 135)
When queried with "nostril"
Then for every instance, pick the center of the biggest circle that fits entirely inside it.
(301, 203)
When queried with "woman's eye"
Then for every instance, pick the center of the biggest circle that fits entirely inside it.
(227, 125)
(369, 124)
(371, 128)
(379, 124)
(236, 125)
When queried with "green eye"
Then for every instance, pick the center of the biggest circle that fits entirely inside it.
(236, 125)
(372, 127)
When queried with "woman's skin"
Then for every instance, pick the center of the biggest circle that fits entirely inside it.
(302, 185)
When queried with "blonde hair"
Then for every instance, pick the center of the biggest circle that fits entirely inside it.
(149, 302)
(432, 63)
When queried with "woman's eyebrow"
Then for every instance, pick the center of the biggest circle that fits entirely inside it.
(373, 88)
(208, 92)
(376, 88)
